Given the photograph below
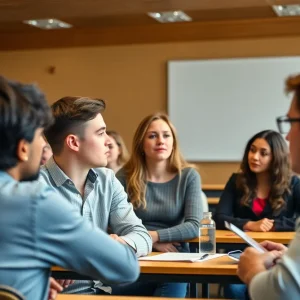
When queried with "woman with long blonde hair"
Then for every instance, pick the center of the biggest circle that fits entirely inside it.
(166, 194)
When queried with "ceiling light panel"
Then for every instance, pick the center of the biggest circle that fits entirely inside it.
(48, 24)
(170, 16)
(287, 10)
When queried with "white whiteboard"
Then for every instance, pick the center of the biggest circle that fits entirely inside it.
(217, 105)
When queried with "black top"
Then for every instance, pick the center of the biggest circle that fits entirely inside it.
(231, 210)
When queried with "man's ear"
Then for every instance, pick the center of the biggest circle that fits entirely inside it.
(72, 142)
(23, 150)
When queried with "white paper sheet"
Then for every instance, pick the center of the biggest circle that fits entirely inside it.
(177, 256)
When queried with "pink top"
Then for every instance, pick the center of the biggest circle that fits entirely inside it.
(259, 205)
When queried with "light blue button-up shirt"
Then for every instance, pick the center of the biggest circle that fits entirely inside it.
(104, 204)
(40, 229)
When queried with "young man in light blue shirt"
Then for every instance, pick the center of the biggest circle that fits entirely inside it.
(39, 228)
(76, 171)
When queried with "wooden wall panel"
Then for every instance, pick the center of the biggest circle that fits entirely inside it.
(133, 78)
(156, 33)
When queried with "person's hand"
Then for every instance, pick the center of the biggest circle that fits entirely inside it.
(65, 282)
(120, 240)
(166, 247)
(263, 225)
(268, 245)
(154, 236)
(54, 288)
(117, 238)
(253, 262)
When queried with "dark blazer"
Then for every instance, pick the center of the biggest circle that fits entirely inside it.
(231, 210)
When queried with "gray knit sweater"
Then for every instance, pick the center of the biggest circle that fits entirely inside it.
(173, 208)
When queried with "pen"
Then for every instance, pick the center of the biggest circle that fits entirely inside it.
(203, 256)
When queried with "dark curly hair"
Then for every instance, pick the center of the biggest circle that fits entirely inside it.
(279, 171)
(23, 109)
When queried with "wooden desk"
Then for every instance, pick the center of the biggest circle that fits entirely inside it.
(222, 266)
(216, 187)
(213, 190)
(213, 201)
(102, 297)
(227, 237)
(220, 270)
(215, 267)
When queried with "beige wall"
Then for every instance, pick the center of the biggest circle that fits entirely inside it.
(133, 78)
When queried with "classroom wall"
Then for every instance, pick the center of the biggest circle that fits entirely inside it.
(132, 79)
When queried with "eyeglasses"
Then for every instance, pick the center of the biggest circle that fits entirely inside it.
(284, 123)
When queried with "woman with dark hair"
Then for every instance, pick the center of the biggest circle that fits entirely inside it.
(264, 196)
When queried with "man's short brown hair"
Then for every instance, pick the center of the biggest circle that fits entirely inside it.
(292, 84)
(70, 115)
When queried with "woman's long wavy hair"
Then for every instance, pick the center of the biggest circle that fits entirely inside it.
(279, 171)
(135, 169)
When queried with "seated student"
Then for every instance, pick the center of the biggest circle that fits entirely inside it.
(118, 153)
(38, 228)
(264, 196)
(166, 194)
(47, 153)
(282, 280)
(79, 144)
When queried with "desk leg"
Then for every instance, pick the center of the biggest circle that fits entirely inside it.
(193, 290)
(205, 290)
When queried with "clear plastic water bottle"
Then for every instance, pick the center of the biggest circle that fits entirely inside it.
(207, 234)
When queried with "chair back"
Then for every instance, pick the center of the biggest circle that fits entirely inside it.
(204, 202)
(9, 293)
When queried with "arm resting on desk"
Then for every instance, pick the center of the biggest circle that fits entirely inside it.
(65, 239)
(124, 222)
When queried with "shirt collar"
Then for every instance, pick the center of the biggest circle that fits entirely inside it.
(59, 177)
(92, 175)
(57, 174)
(5, 175)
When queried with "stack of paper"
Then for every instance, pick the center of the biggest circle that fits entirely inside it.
(177, 256)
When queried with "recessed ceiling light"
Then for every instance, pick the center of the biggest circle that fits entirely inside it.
(170, 16)
(48, 24)
(287, 10)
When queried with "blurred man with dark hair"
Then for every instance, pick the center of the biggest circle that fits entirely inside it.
(38, 228)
